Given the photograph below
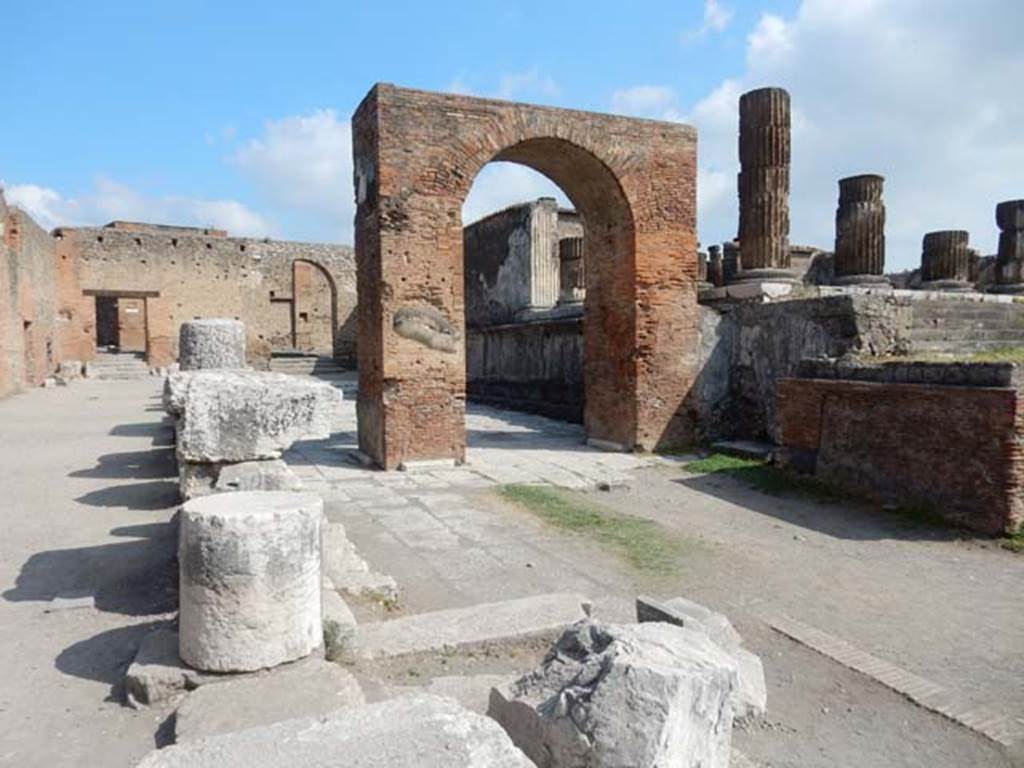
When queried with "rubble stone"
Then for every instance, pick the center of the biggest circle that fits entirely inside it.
(211, 344)
(750, 697)
(158, 674)
(303, 689)
(339, 623)
(250, 579)
(639, 695)
(232, 416)
(418, 731)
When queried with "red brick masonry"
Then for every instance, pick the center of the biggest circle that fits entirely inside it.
(634, 183)
(955, 450)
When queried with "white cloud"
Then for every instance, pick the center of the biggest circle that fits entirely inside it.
(302, 164)
(644, 100)
(915, 90)
(716, 18)
(110, 200)
(501, 184)
(517, 85)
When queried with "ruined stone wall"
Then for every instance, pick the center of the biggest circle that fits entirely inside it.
(512, 261)
(186, 274)
(535, 366)
(29, 320)
(497, 273)
(747, 348)
(954, 450)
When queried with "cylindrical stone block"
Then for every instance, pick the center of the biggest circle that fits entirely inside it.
(715, 274)
(571, 277)
(214, 343)
(860, 230)
(946, 261)
(1010, 259)
(249, 579)
(732, 263)
(763, 183)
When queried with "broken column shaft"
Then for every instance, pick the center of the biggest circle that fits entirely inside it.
(1010, 260)
(764, 146)
(946, 261)
(860, 231)
(571, 278)
(715, 266)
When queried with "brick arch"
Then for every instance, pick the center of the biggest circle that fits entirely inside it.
(416, 155)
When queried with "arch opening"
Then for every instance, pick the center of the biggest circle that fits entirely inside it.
(633, 183)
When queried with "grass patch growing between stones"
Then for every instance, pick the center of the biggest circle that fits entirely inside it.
(1014, 542)
(644, 544)
(766, 478)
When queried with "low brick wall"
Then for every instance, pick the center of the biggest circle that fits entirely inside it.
(953, 449)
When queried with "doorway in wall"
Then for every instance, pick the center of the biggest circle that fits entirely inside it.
(108, 334)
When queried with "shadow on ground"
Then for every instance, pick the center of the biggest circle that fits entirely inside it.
(106, 657)
(136, 578)
(839, 518)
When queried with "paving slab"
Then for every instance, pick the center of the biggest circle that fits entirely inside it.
(460, 627)
(417, 731)
(303, 689)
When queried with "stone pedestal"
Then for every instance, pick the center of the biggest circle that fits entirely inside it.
(764, 148)
(249, 580)
(216, 343)
(1010, 260)
(945, 261)
(572, 279)
(860, 232)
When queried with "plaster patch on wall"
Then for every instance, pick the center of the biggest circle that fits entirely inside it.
(428, 326)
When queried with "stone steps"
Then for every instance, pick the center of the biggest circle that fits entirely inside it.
(306, 365)
(962, 327)
(117, 366)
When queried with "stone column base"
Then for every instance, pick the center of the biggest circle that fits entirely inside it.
(949, 286)
(767, 275)
(872, 280)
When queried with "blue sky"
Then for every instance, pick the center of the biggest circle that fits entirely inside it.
(236, 114)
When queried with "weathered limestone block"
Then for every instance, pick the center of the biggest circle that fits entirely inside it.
(1010, 259)
(175, 391)
(198, 479)
(308, 688)
(211, 344)
(750, 697)
(946, 261)
(860, 231)
(349, 572)
(232, 416)
(339, 623)
(416, 731)
(639, 695)
(157, 674)
(266, 475)
(250, 579)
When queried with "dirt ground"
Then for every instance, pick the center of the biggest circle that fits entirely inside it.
(87, 568)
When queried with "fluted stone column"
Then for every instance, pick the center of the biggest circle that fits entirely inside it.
(764, 185)
(1010, 260)
(860, 231)
(715, 273)
(731, 262)
(946, 261)
(571, 277)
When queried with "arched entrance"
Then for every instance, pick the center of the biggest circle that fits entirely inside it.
(314, 309)
(634, 182)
